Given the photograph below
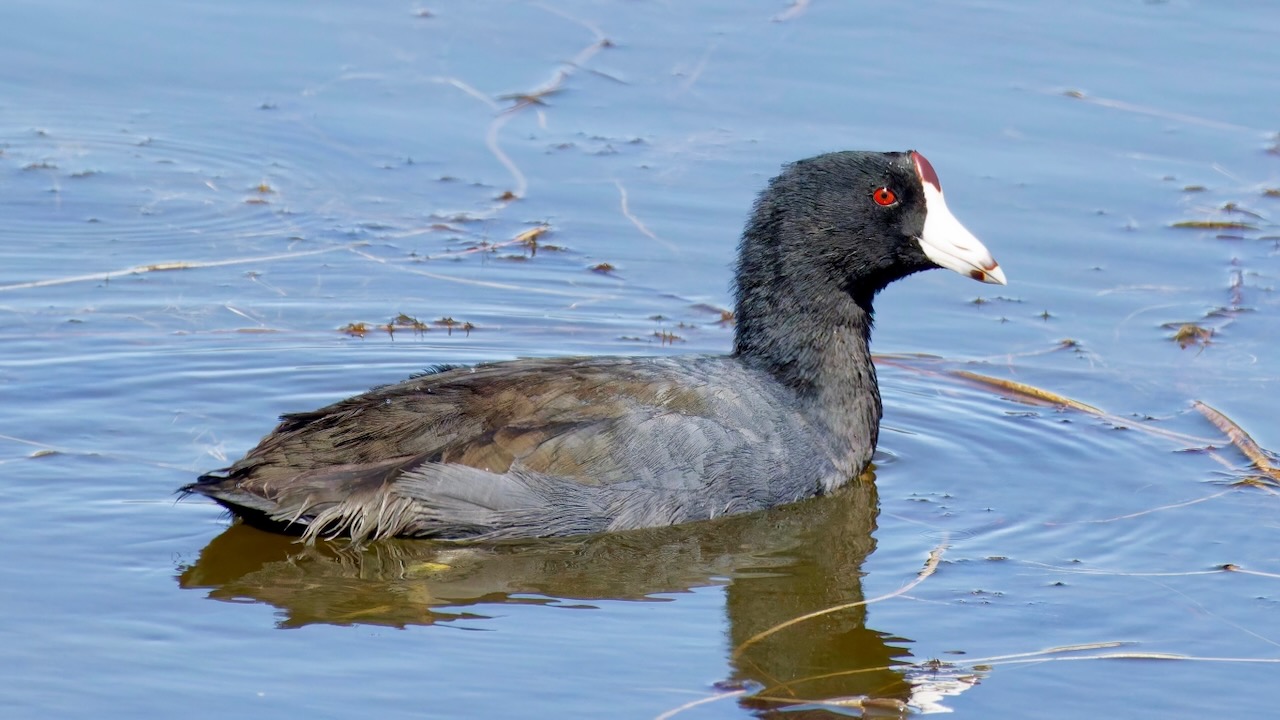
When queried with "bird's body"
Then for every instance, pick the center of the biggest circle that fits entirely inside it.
(561, 446)
(566, 446)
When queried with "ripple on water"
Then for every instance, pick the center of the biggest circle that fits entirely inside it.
(965, 460)
(152, 188)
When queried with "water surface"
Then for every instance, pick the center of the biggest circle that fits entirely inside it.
(196, 197)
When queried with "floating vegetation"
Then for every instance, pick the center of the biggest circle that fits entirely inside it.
(262, 189)
(1188, 334)
(1194, 188)
(530, 98)
(529, 239)
(603, 268)
(724, 317)
(355, 329)
(530, 236)
(1243, 442)
(178, 265)
(1269, 474)
(666, 337)
(449, 324)
(1028, 391)
(1235, 208)
(1213, 225)
(404, 322)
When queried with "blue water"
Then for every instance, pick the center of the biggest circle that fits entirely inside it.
(299, 167)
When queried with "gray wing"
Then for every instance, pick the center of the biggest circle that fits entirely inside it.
(533, 448)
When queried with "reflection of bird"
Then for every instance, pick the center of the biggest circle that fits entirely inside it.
(776, 565)
(394, 582)
(583, 445)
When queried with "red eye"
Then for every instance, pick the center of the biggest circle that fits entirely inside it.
(884, 196)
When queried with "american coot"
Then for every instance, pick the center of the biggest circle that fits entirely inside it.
(567, 446)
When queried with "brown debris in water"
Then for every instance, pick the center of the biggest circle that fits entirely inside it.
(1242, 440)
(529, 239)
(724, 316)
(1189, 334)
(1213, 225)
(404, 322)
(355, 329)
(449, 324)
(1028, 391)
(530, 236)
(1260, 459)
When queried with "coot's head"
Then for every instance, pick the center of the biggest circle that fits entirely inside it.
(852, 222)
(859, 220)
(840, 227)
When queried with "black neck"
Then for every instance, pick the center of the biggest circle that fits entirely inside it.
(811, 331)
